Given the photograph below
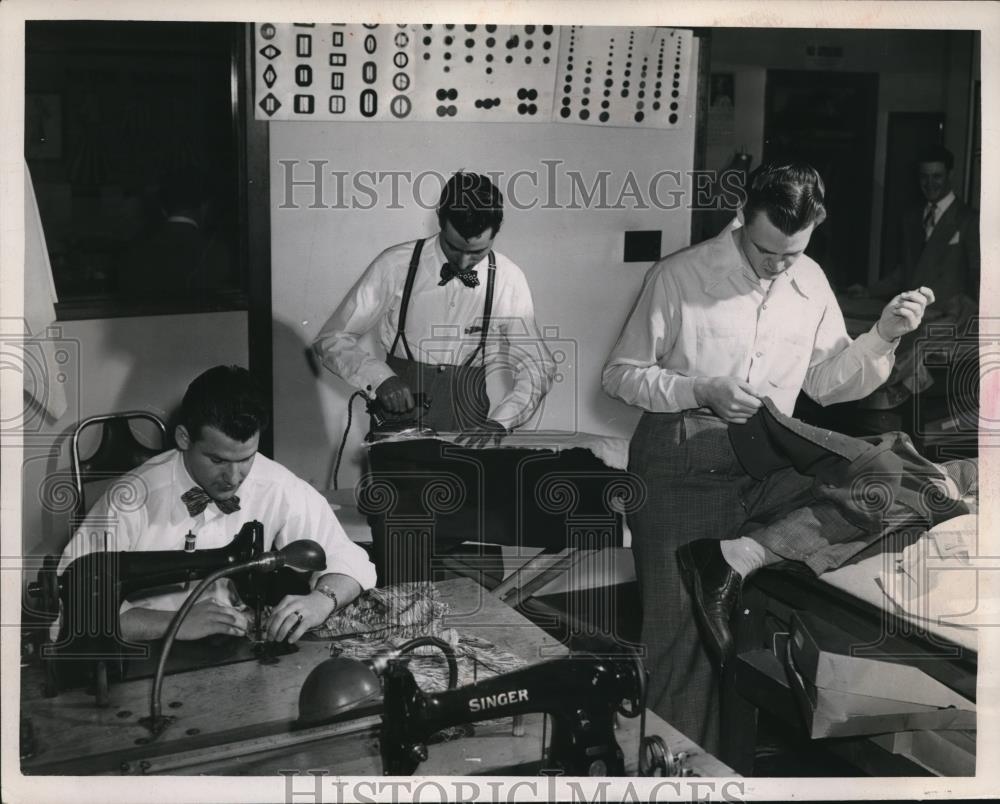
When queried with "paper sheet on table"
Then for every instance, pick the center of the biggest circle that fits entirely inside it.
(938, 578)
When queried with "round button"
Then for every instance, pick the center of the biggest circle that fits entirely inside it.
(759, 354)
(440, 369)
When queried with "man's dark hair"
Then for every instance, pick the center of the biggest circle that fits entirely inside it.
(226, 398)
(472, 204)
(936, 153)
(791, 194)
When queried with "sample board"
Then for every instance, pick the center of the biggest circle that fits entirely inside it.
(477, 73)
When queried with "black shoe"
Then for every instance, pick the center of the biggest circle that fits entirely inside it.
(714, 587)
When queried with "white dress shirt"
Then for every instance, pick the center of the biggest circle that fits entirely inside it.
(144, 511)
(703, 312)
(443, 326)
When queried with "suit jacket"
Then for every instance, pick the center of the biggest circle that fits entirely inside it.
(947, 263)
(877, 483)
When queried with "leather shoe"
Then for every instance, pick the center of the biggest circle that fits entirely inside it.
(714, 587)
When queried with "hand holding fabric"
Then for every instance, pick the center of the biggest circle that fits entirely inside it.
(732, 400)
(481, 435)
(296, 614)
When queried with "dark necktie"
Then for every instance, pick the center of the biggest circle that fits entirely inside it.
(469, 277)
(929, 220)
(196, 500)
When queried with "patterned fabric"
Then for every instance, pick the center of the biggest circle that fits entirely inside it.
(196, 500)
(386, 618)
(469, 278)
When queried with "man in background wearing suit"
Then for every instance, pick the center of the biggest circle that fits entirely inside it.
(938, 242)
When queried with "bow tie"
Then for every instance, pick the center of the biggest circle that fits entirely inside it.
(196, 500)
(469, 277)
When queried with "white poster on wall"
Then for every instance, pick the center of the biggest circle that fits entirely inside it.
(633, 77)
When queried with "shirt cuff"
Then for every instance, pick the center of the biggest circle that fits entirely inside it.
(374, 378)
(875, 344)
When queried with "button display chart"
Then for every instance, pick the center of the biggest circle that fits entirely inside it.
(470, 72)
(484, 73)
(633, 77)
(326, 71)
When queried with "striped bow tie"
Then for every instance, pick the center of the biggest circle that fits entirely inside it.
(469, 278)
(196, 500)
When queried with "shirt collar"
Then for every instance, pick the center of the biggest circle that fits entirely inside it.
(943, 204)
(727, 262)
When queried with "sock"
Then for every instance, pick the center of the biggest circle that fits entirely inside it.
(744, 555)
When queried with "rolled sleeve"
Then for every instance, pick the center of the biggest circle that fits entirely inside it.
(531, 363)
(310, 517)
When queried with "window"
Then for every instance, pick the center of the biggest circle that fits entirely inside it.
(132, 140)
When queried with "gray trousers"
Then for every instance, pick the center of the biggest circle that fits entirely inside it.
(697, 490)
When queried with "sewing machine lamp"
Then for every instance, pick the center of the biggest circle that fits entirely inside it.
(333, 687)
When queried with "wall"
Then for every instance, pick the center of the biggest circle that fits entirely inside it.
(122, 364)
(919, 71)
(572, 257)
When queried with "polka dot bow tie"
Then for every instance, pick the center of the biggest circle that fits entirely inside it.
(196, 501)
(469, 278)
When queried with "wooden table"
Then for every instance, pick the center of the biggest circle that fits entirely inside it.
(237, 719)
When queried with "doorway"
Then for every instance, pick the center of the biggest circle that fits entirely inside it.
(908, 133)
(828, 119)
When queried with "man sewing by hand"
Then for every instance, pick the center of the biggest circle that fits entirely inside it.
(204, 492)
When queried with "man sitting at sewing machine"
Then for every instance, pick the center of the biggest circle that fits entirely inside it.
(441, 305)
(199, 496)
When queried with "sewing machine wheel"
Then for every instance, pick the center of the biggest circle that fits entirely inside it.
(656, 758)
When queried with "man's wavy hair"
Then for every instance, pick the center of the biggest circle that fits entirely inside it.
(228, 399)
(472, 204)
(791, 194)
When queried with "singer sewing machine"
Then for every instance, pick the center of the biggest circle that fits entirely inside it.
(245, 718)
(90, 649)
(580, 693)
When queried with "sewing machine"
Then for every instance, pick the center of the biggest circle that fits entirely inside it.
(581, 693)
(92, 588)
(244, 718)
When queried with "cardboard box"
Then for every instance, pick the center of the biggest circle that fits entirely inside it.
(843, 695)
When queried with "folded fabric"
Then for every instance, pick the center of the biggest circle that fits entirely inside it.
(404, 611)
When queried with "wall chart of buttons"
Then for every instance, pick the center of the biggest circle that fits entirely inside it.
(603, 76)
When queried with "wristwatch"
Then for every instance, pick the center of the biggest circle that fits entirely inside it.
(324, 589)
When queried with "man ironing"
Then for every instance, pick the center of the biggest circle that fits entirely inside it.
(443, 307)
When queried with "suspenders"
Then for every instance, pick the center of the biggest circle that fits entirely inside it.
(408, 289)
